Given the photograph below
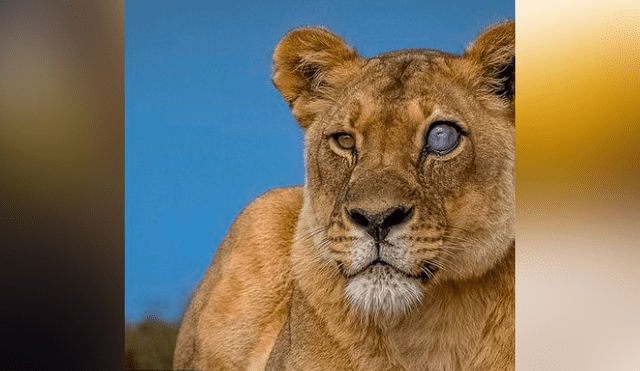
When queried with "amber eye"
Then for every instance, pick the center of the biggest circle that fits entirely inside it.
(344, 140)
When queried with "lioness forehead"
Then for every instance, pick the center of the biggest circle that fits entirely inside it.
(399, 89)
(396, 79)
(407, 74)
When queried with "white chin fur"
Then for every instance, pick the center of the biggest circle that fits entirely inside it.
(382, 289)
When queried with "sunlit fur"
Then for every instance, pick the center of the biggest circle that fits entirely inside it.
(389, 257)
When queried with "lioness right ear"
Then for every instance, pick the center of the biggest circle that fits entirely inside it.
(305, 62)
(494, 52)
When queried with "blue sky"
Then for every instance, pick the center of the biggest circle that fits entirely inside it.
(206, 132)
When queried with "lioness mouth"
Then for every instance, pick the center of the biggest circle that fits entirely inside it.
(427, 271)
(378, 261)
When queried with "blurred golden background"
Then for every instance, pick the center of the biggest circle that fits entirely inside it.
(578, 185)
(578, 87)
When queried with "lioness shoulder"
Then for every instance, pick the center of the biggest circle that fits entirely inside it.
(244, 291)
(398, 252)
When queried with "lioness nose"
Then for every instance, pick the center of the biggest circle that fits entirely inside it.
(378, 225)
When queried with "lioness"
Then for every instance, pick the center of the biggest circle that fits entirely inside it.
(398, 251)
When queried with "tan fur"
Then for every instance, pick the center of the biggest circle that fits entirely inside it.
(296, 285)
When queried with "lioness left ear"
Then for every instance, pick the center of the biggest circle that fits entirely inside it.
(305, 62)
(494, 51)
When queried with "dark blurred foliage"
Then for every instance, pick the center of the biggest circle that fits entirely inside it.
(149, 345)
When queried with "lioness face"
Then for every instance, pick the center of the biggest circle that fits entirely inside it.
(410, 161)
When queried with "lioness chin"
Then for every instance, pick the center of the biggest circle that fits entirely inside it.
(398, 251)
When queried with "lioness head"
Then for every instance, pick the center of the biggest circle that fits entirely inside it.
(410, 161)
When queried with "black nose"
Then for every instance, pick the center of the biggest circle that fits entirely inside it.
(378, 225)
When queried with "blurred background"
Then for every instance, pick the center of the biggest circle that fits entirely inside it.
(189, 85)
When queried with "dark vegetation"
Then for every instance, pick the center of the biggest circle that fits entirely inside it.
(149, 345)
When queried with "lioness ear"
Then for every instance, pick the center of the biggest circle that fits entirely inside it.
(494, 51)
(302, 64)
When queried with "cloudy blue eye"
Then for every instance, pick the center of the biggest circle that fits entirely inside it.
(443, 137)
